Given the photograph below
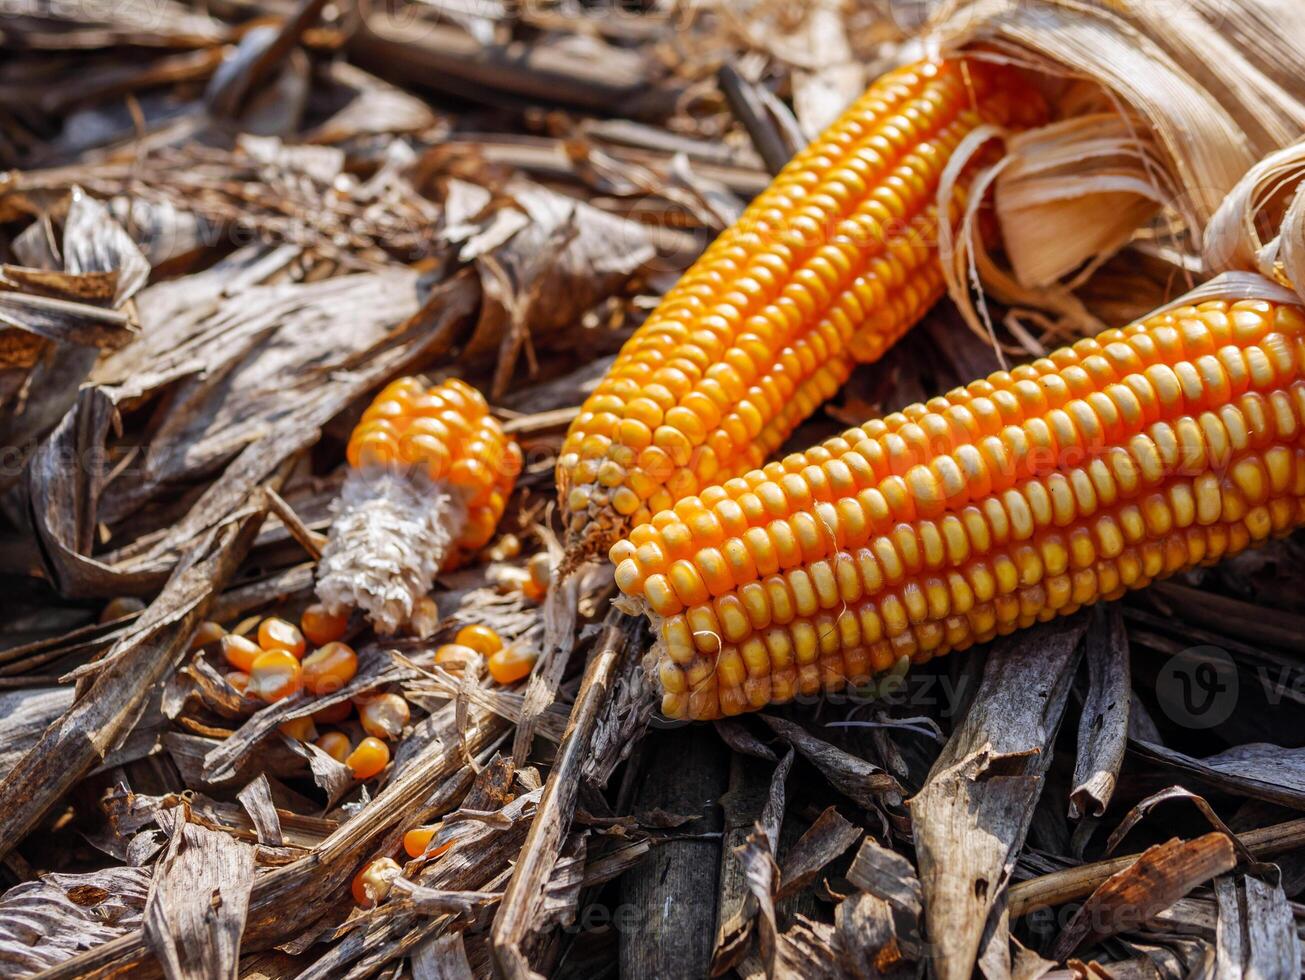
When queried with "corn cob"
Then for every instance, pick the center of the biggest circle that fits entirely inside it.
(828, 267)
(430, 474)
(1123, 458)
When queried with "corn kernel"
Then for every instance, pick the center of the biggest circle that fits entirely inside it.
(482, 639)
(276, 634)
(372, 884)
(320, 626)
(511, 664)
(368, 758)
(329, 668)
(382, 715)
(336, 745)
(274, 674)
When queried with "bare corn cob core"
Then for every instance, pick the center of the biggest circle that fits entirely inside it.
(430, 475)
(1127, 457)
(828, 267)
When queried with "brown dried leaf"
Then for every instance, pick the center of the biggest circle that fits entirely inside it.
(199, 900)
(855, 778)
(1160, 877)
(43, 923)
(823, 841)
(1103, 725)
(972, 814)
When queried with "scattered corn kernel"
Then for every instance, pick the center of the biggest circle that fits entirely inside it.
(300, 729)
(372, 884)
(327, 670)
(333, 714)
(320, 626)
(509, 665)
(274, 675)
(208, 633)
(482, 639)
(455, 656)
(240, 652)
(275, 633)
(541, 569)
(507, 546)
(121, 606)
(418, 839)
(336, 745)
(368, 758)
(383, 715)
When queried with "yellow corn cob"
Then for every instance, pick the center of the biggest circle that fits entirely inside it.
(431, 474)
(828, 267)
(1126, 457)
(447, 433)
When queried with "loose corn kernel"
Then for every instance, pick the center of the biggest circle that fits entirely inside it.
(336, 745)
(826, 268)
(119, 607)
(455, 656)
(300, 729)
(369, 757)
(208, 633)
(1127, 457)
(327, 670)
(240, 652)
(274, 674)
(372, 884)
(333, 714)
(509, 665)
(382, 715)
(541, 570)
(275, 633)
(238, 680)
(321, 626)
(417, 840)
(482, 639)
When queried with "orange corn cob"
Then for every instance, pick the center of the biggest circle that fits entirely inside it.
(431, 474)
(828, 267)
(1127, 457)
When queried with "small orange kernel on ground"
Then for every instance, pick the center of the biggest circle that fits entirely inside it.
(372, 884)
(336, 745)
(511, 664)
(333, 714)
(321, 626)
(330, 668)
(418, 839)
(208, 633)
(482, 639)
(300, 729)
(240, 652)
(274, 675)
(275, 633)
(368, 758)
(383, 715)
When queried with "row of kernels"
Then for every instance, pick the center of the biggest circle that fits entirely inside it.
(829, 651)
(948, 482)
(965, 550)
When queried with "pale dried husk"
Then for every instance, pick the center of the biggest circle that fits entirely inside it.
(1160, 110)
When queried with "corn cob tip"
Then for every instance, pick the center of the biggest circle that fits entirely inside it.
(1096, 470)
(430, 474)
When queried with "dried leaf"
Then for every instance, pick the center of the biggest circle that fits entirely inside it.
(1103, 725)
(1161, 876)
(198, 901)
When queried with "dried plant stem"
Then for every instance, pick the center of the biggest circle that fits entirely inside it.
(523, 898)
(1071, 884)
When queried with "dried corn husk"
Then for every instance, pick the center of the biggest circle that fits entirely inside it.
(1162, 109)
